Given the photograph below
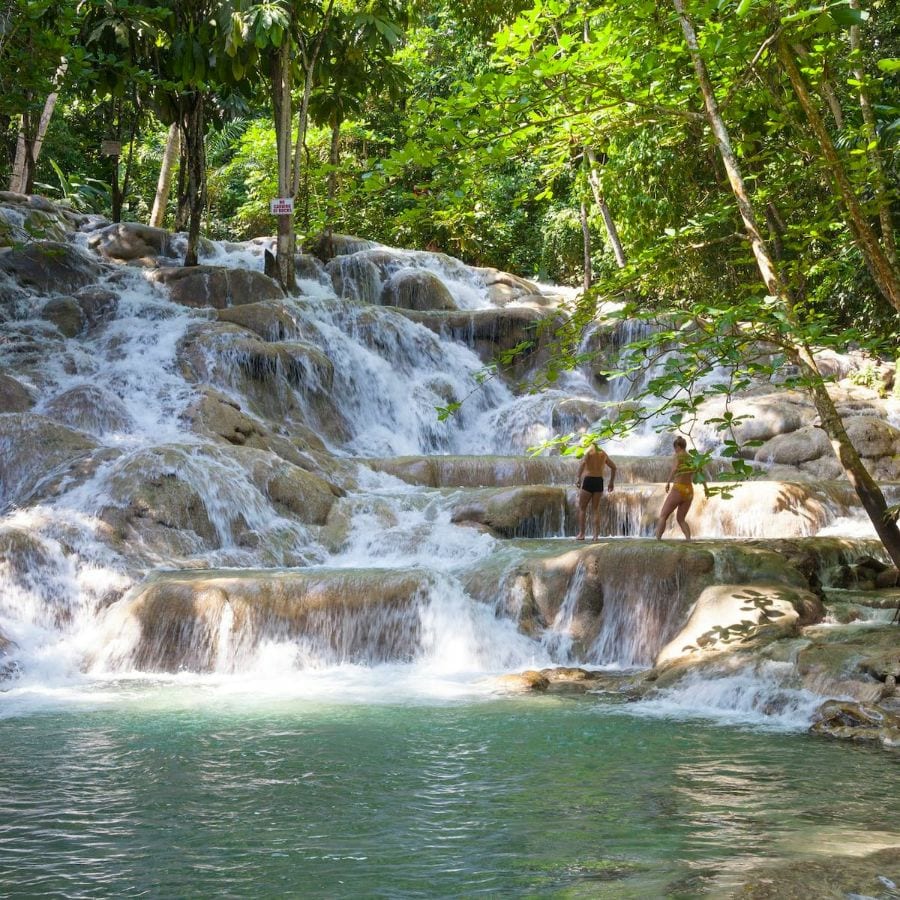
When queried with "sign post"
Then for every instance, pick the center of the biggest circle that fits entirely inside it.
(283, 206)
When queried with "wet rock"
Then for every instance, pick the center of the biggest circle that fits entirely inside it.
(35, 450)
(66, 315)
(799, 446)
(156, 501)
(889, 578)
(355, 278)
(731, 616)
(129, 241)
(310, 267)
(837, 876)
(326, 247)
(530, 511)
(97, 304)
(873, 437)
(577, 414)
(504, 288)
(294, 491)
(269, 319)
(857, 722)
(529, 680)
(623, 598)
(416, 289)
(486, 331)
(14, 396)
(217, 619)
(573, 680)
(216, 286)
(849, 660)
(50, 267)
(91, 409)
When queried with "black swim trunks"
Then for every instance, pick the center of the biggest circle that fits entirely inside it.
(593, 484)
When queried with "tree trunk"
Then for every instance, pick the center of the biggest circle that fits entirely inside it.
(281, 107)
(588, 276)
(182, 207)
(195, 164)
(873, 150)
(28, 149)
(164, 184)
(883, 272)
(866, 489)
(334, 161)
(612, 233)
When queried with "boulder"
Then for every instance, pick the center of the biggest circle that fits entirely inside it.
(66, 315)
(33, 451)
(527, 681)
(504, 288)
(873, 437)
(269, 319)
(857, 722)
(310, 268)
(129, 241)
(14, 396)
(216, 620)
(804, 444)
(97, 304)
(529, 511)
(850, 661)
(216, 286)
(416, 289)
(327, 246)
(729, 616)
(50, 267)
(486, 331)
(91, 409)
(889, 578)
(355, 278)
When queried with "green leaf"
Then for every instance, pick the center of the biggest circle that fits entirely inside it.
(889, 65)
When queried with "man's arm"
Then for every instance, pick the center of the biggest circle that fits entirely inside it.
(612, 473)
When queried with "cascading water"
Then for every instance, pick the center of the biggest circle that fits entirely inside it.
(153, 529)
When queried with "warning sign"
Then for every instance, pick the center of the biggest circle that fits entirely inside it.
(283, 206)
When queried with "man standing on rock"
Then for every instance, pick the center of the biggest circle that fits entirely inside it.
(590, 484)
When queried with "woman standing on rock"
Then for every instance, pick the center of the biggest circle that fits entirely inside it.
(590, 484)
(681, 495)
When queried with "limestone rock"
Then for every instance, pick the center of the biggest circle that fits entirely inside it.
(310, 267)
(486, 331)
(216, 286)
(128, 241)
(50, 267)
(733, 606)
(268, 318)
(416, 289)
(34, 450)
(857, 722)
(849, 660)
(504, 288)
(175, 621)
(355, 278)
(799, 446)
(530, 680)
(66, 315)
(91, 409)
(889, 578)
(873, 437)
(326, 247)
(14, 396)
(97, 304)
(530, 511)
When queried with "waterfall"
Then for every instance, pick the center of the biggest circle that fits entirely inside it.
(267, 488)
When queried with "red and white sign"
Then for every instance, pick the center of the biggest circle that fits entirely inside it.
(283, 206)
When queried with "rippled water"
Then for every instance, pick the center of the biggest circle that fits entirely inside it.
(181, 792)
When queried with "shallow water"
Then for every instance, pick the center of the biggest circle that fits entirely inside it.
(185, 790)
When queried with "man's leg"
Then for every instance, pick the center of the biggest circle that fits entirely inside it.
(583, 499)
(595, 509)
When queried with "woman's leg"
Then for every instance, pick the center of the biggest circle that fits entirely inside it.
(671, 502)
(683, 508)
